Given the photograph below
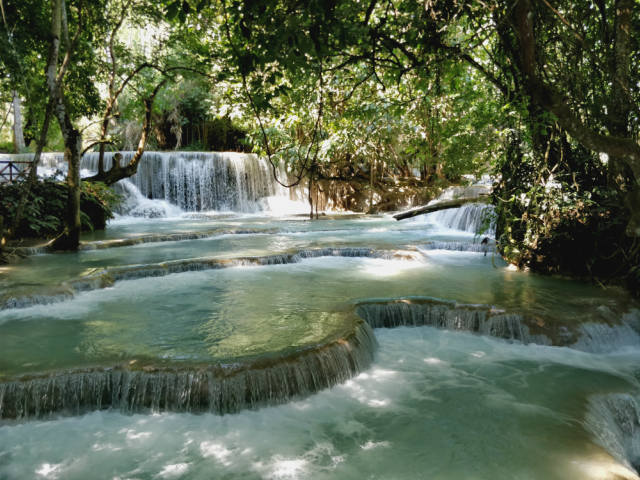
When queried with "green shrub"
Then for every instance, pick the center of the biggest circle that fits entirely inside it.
(45, 211)
(6, 147)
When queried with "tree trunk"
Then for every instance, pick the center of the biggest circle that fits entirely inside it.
(18, 136)
(553, 102)
(310, 193)
(619, 175)
(101, 159)
(372, 184)
(436, 207)
(69, 239)
(117, 172)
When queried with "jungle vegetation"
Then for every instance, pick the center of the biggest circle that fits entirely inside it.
(543, 95)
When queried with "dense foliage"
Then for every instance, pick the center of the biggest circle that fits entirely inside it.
(543, 97)
(44, 215)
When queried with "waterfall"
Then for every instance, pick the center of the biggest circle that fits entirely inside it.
(49, 162)
(196, 181)
(192, 181)
(137, 205)
(219, 388)
(468, 218)
(614, 420)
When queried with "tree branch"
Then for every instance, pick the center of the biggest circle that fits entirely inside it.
(553, 102)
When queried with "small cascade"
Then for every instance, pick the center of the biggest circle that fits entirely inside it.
(598, 335)
(478, 319)
(359, 252)
(614, 420)
(107, 277)
(28, 251)
(471, 217)
(458, 247)
(468, 218)
(619, 332)
(219, 389)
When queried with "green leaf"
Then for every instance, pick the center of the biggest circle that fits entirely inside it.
(172, 10)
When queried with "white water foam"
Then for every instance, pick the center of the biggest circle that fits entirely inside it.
(470, 218)
(169, 183)
(472, 411)
(614, 419)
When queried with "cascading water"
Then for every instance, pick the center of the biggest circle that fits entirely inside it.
(614, 419)
(472, 218)
(218, 389)
(137, 205)
(468, 218)
(478, 319)
(201, 181)
(190, 181)
(458, 247)
(617, 333)
(622, 331)
(133, 338)
(49, 162)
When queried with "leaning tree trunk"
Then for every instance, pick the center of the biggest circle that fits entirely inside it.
(18, 136)
(436, 207)
(117, 172)
(619, 175)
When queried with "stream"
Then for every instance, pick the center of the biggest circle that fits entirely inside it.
(226, 335)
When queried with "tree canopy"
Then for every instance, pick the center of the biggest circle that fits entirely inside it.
(542, 95)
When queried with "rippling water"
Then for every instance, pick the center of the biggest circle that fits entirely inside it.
(435, 404)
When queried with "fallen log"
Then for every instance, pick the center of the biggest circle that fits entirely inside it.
(438, 206)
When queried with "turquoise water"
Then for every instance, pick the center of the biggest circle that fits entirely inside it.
(434, 404)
